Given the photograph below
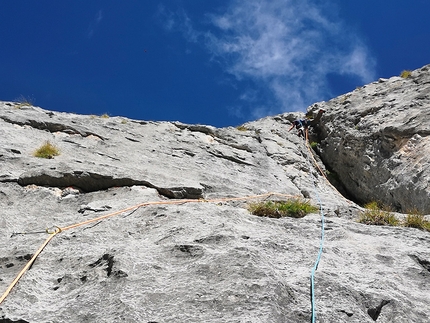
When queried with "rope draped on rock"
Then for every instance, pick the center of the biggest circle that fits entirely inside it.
(56, 229)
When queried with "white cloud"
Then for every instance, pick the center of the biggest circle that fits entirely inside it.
(286, 47)
(99, 16)
(93, 25)
(178, 21)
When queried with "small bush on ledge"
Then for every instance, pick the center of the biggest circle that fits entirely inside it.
(374, 215)
(47, 150)
(415, 219)
(296, 208)
(377, 216)
(405, 74)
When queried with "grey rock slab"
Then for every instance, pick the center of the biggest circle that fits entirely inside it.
(163, 155)
(206, 260)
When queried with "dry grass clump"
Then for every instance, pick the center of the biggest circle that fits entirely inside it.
(376, 216)
(405, 74)
(22, 101)
(47, 150)
(296, 208)
(242, 128)
(415, 219)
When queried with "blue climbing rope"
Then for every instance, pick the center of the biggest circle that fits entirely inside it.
(315, 267)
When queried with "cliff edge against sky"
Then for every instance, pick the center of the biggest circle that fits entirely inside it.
(178, 243)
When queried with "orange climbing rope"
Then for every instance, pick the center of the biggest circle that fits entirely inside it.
(30, 262)
(61, 229)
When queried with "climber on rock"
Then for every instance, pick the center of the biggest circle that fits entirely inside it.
(302, 125)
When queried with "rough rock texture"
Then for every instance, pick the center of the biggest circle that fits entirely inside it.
(200, 260)
(377, 140)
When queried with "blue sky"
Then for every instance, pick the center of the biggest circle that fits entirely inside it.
(210, 62)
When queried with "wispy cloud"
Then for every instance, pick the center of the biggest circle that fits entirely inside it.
(287, 48)
(94, 24)
(179, 21)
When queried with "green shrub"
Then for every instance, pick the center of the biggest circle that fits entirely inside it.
(376, 216)
(47, 150)
(415, 219)
(313, 145)
(296, 208)
(104, 116)
(405, 74)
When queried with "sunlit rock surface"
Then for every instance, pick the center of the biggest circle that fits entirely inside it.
(207, 259)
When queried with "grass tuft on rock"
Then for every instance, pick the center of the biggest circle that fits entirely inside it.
(374, 215)
(415, 219)
(405, 74)
(242, 128)
(296, 208)
(313, 145)
(47, 150)
(23, 101)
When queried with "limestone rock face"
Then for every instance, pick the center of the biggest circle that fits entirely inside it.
(377, 140)
(165, 235)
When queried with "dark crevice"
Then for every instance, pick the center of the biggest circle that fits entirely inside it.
(424, 263)
(375, 311)
(91, 182)
(189, 250)
(6, 320)
(132, 139)
(331, 174)
(86, 181)
(349, 314)
(181, 192)
(113, 158)
(107, 261)
(230, 158)
(7, 179)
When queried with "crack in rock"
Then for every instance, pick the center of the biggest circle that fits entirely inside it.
(424, 263)
(106, 260)
(230, 158)
(86, 181)
(207, 130)
(85, 208)
(375, 311)
(181, 192)
(91, 182)
(51, 127)
(6, 320)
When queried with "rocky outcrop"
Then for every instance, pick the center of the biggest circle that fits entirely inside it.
(377, 138)
(167, 236)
